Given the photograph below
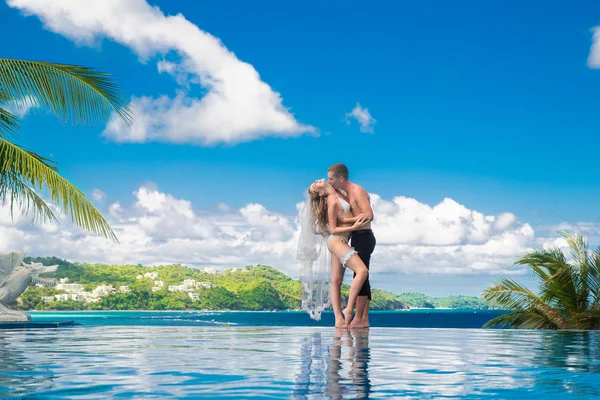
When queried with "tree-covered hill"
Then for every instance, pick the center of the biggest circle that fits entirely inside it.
(257, 287)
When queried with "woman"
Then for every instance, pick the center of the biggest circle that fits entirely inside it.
(328, 208)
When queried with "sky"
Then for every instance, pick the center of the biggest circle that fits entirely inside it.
(473, 125)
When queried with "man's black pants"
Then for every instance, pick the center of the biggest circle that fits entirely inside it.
(364, 242)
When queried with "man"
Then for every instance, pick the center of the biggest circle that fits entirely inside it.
(362, 240)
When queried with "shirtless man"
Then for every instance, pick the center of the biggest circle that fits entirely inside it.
(362, 240)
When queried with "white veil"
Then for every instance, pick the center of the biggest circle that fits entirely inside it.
(314, 266)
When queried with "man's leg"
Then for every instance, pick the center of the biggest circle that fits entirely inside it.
(364, 245)
(362, 304)
(361, 320)
(369, 248)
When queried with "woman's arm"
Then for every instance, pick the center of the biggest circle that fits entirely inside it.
(357, 225)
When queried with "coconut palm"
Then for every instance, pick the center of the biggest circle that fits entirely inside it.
(75, 94)
(569, 290)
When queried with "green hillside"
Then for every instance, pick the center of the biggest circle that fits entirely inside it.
(251, 288)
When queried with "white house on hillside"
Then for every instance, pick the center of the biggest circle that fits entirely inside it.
(190, 282)
(70, 287)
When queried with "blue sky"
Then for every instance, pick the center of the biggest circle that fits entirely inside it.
(491, 104)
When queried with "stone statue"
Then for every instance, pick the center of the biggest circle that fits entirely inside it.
(15, 276)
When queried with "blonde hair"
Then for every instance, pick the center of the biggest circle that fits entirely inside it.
(318, 208)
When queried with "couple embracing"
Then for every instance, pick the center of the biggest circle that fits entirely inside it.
(336, 226)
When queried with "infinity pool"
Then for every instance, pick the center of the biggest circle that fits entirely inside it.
(297, 362)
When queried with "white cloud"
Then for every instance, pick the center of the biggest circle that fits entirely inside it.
(594, 56)
(98, 195)
(22, 108)
(412, 237)
(114, 209)
(589, 230)
(363, 117)
(265, 225)
(223, 207)
(446, 238)
(504, 221)
(238, 107)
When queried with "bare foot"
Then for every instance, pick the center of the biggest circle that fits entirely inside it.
(357, 324)
(340, 323)
(348, 314)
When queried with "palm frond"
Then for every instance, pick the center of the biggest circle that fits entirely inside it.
(521, 320)
(513, 296)
(509, 294)
(579, 252)
(25, 198)
(595, 277)
(556, 277)
(9, 124)
(32, 168)
(74, 93)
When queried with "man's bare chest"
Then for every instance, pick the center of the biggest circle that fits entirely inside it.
(354, 207)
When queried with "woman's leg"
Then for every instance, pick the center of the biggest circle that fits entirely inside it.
(337, 277)
(341, 249)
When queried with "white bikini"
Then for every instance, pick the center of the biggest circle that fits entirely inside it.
(346, 256)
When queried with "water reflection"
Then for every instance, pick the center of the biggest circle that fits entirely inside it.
(20, 371)
(565, 356)
(573, 351)
(337, 369)
(350, 349)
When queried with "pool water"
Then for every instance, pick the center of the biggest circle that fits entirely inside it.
(145, 361)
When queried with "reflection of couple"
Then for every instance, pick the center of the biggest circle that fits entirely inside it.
(356, 343)
(339, 212)
(335, 371)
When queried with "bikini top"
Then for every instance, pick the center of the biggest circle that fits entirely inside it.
(345, 204)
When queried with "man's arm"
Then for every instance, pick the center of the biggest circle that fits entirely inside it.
(351, 220)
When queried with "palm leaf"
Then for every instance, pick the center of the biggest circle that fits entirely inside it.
(558, 282)
(32, 168)
(25, 198)
(521, 320)
(513, 296)
(74, 93)
(595, 277)
(569, 296)
(9, 124)
(579, 253)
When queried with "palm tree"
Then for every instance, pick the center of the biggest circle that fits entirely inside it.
(569, 290)
(74, 94)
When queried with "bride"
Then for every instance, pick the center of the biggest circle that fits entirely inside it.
(320, 222)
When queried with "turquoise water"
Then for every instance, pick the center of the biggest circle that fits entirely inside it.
(206, 361)
(423, 318)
